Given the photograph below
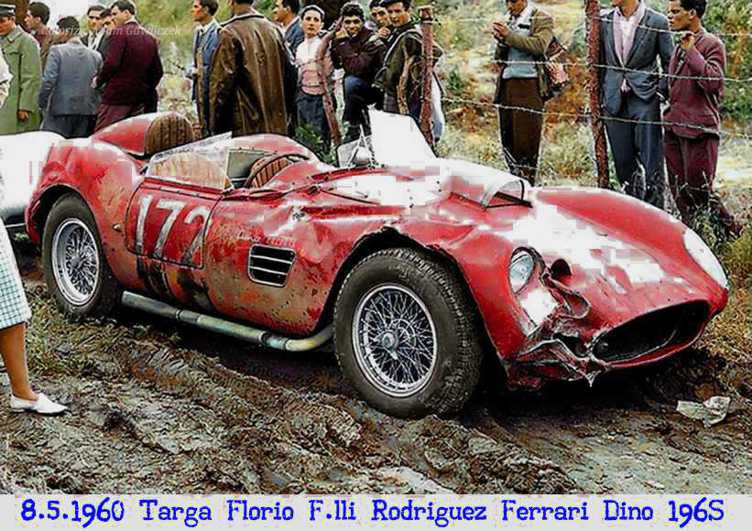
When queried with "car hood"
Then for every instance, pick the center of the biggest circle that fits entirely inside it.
(622, 256)
(429, 183)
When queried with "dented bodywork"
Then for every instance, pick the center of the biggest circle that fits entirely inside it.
(607, 266)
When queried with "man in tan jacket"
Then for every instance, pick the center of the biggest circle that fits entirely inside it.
(252, 81)
(522, 42)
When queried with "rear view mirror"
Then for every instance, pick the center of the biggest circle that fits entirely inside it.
(355, 154)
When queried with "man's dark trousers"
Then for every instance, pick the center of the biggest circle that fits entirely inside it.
(691, 171)
(359, 94)
(521, 129)
(636, 139)
(71, 125)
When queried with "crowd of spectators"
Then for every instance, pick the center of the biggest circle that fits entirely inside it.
(253, 74)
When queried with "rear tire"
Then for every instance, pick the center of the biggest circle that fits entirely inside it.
(407, 335)
(75, 268)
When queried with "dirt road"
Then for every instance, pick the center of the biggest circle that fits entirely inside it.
(158, 407)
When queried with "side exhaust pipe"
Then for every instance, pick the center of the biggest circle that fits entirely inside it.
(224, 327)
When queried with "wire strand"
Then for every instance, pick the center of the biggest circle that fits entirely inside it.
(585, 18)
(588, 115)
(626, 69)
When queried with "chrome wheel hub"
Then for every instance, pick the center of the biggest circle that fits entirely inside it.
(75, 261)
(395, 340)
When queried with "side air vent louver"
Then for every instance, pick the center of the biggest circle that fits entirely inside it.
(270, 265)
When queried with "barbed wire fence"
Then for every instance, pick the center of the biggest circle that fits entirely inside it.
(589, 112)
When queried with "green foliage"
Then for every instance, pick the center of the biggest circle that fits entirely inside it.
(306, 135)
(738, 258)
(455, 85)
(734, 16)
(707, 223)
(566, 155)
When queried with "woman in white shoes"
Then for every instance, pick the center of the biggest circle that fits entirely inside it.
(14, 312)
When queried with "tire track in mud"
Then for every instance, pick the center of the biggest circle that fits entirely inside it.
(148, 415)
(164, 408)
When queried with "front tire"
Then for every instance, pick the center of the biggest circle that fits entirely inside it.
(407, 334)
(75, 268)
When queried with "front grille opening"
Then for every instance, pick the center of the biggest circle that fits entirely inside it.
(653, 331)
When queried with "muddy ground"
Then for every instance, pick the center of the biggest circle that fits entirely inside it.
(159, 407)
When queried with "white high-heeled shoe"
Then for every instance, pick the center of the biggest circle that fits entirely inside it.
(42, 405)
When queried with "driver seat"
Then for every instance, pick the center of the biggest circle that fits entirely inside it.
(264, 169)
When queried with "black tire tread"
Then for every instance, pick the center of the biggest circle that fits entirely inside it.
(109, 289)
(457, 385)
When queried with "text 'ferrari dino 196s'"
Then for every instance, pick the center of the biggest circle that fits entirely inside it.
(416, 267)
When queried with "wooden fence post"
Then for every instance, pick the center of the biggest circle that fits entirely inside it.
(426, 112)
(592, 12)
(329, 110)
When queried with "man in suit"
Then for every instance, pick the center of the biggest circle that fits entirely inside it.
(693, 121)
(205, 41)
(520, 51)
(633, 38)
(67, 99)
(286, 15)
(96, 39)
(20, 114)
(132, 69)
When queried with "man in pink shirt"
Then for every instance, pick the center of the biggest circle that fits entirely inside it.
(634, 39)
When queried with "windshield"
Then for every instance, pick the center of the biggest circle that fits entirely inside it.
(397, 140)
(214, 149)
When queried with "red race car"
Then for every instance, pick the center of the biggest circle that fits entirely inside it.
(416, 267)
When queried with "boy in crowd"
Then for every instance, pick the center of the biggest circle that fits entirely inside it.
(360, 52)
(311, 71)
(37, 17)
(404, 56)
(379, 22)
(96, 39)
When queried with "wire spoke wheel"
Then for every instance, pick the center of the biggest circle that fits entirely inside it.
(75, 261)
(395, 340)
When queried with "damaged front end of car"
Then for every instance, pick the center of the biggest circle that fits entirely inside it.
(566, 338)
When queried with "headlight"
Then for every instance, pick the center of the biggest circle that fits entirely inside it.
(705, 257)
(521, 269)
